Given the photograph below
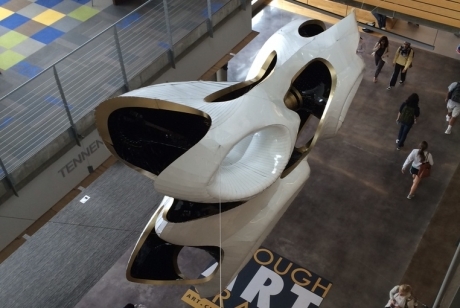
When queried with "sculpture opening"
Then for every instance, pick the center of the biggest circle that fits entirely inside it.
(183, 211)
(311, 28)
(151, 139)
(308, 96)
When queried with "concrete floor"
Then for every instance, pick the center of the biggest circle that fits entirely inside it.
(352, 223)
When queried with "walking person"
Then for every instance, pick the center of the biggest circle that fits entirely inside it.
(361, 46)
(417, 158)
(401, 62)
(401, 297)
(380, 51)
(381, 20)
(408, 113)
(453, 105)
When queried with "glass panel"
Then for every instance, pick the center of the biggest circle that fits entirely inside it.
(91, 75)
(143, 38)
(31, 118)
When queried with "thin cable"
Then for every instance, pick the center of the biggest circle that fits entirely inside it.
(33, 148)
(32, 93)
(23, 119)
(82, 65)
(41, 134)
(81, 81)
(220, 228)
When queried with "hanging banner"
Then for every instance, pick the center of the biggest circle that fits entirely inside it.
(268, 280)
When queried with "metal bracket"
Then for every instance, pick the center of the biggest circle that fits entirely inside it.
(243, 5)
(9, 179)
(66, 106)
(120, 58)
(209, 20)
(171, 56)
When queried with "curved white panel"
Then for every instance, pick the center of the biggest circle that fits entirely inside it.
(245, 159)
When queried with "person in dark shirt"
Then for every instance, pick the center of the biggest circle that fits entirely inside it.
(408, 113)
(380, 51)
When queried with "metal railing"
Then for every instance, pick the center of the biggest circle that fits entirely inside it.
(40, 110)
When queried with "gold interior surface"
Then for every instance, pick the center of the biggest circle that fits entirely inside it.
(150, 228)
(214, 96)
(305, 150)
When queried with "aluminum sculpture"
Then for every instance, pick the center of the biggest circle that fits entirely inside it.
(231, 157)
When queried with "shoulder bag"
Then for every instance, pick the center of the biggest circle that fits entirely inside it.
(424, 169)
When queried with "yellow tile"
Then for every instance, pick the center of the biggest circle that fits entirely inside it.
(48, 17)
(4, 13)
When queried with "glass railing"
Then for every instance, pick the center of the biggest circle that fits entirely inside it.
(37, 112)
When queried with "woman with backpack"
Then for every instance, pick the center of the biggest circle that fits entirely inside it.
(401, 62)
(380, 51)
(417, 157)
(407, 116)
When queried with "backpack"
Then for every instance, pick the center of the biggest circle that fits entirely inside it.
(455, 93)
(413, 55)
(408, 54)
(407, 115)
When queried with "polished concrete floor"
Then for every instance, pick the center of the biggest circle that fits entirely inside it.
(351, 224)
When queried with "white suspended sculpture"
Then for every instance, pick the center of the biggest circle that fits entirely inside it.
(231, 157)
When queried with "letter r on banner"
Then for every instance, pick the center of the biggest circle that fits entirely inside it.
(256, 285)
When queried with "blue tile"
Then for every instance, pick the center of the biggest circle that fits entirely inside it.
(14, 21)
(214, 8)
(26, 69)
(48, 3)
(4, 123)
(47, 35)
(2, 2)
(130, 19)
(163, 45)
(81, 1)
(56, 101)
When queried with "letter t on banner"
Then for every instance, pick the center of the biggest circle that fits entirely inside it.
(305, 297)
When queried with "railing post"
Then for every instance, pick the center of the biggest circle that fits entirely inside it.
(243, 5)
(449, 273)
(120, 58)
(172, 57)
(8, 178)
(209, 20)
(66, 106)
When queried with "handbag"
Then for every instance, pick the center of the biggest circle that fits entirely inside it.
(425, 169)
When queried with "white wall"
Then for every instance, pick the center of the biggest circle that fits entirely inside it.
(37, 197)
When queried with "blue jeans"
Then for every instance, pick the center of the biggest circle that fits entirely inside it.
(381, 19)
(403, 131)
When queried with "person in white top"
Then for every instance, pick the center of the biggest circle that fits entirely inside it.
(401, 297)
(453, 105)
(417, 157)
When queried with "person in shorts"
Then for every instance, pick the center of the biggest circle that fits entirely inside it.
(453, 105)
(415, 159)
